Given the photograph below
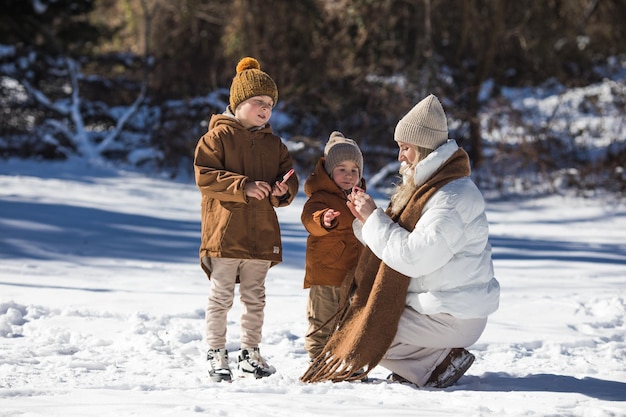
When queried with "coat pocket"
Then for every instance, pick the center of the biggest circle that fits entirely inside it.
(215, 221)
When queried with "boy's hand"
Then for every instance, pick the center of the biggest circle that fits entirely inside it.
(258, 189)
(279, 189)
(329, 216)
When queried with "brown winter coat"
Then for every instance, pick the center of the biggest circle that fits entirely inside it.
(332, 252)
(226, 157)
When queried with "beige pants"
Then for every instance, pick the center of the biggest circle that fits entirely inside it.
(322, 305)
(252, 273)
(422, 342)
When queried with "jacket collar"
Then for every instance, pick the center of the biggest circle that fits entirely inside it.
(427, 166)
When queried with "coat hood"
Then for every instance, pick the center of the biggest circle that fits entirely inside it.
(429, 165)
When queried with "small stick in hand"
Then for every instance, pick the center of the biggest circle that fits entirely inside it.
(287, 175)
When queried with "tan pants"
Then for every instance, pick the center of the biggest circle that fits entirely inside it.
(252, 273)
(323, 303)
(422, 342)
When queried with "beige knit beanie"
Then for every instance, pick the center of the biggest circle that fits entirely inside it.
(339, 149)
(425, 125)
(250, 81)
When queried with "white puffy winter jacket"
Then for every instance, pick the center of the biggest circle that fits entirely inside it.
(447, 255)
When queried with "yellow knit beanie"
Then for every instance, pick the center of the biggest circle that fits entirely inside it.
(250, 81)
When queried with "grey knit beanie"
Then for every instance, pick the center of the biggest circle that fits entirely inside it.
(339, 149)
(425, 125)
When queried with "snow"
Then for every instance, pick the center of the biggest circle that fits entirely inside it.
(102, 298)
(102, 309)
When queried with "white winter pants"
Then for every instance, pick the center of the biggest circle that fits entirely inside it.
(252, 273)
(422, 342)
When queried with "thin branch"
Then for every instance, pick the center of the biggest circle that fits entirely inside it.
(121, 122)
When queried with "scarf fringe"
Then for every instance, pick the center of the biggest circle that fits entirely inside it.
(334, 369)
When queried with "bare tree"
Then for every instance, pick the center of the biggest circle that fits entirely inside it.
(67, 110)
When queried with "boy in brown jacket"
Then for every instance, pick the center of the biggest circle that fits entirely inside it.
(332, 249)
(239, 167)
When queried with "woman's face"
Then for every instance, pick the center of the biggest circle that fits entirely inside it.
(407, 153)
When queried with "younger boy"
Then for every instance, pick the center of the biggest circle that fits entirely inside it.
(332, 249)
(239, 166)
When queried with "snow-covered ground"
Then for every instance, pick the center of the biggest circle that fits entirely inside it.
(102, 309)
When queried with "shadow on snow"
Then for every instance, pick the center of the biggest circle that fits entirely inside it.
(591, 387)
(508, 248)
(52, 231)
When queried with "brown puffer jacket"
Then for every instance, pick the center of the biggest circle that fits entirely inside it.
(226, 157)
(330, 253)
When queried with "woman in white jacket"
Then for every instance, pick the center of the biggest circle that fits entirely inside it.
(446, 255)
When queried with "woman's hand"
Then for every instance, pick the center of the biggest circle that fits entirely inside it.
(361, 204)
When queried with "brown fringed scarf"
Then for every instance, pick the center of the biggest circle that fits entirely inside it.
(369, 322)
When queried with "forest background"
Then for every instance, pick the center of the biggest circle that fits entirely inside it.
(135, 81)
